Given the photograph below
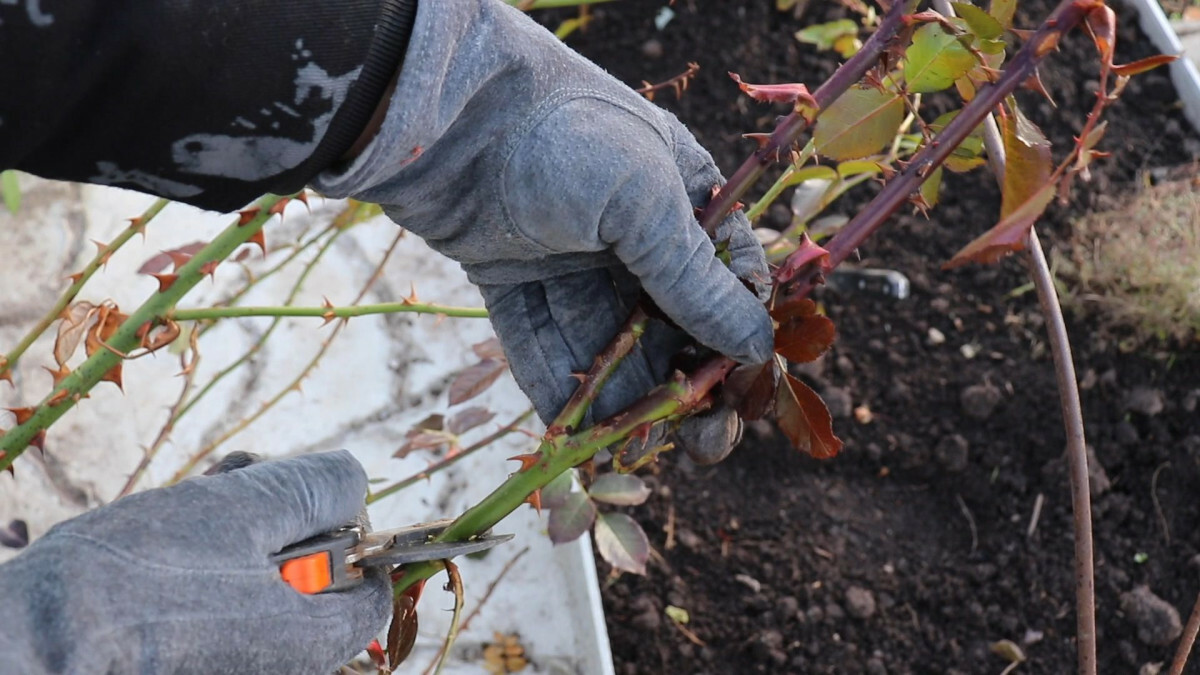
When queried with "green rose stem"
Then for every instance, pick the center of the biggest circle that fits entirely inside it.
(75, 386)
(211, 313)
(451, 460)
(558, 453)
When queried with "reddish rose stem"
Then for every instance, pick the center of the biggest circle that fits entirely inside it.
(794, 125)
(1066, 16)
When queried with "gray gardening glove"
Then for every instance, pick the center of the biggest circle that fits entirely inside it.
(178, 580)
(562, 193)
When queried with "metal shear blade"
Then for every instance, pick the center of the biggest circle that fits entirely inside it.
(415, 544)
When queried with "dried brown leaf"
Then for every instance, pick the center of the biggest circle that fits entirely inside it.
(475, 380)
(468, 419)
(74, 324)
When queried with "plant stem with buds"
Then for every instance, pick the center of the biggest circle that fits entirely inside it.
(561, 452)
(329, 313)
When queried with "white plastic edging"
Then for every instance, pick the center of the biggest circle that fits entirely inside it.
(1184, 75)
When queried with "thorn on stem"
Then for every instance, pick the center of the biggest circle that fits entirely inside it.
(534, 499)
(103, 252)
(165, 281)
(528, 461)
(247, 215)
(260, 239)
(278, 207)
(209, 269)
(22, 414)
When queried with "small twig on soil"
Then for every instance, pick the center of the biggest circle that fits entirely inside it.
(692, 637)
(669, 528)
(455, 586)
(1185, 643)
(1037, 515)
(492, 587)
(1158, 509)
(678, 84)
(962, 506)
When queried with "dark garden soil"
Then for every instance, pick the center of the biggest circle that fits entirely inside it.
(911, 552)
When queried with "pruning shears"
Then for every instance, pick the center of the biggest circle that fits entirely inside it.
(334, 561)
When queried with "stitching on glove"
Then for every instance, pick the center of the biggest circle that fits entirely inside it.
(538, 115)
(130, 559)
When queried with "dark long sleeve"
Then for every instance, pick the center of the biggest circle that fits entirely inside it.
(210, 103)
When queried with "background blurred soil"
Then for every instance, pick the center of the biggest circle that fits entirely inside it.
(910, 552)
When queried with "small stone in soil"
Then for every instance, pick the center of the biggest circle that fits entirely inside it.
(935, 337)
(788, 607)
(652, 49)
(980, 400)
(838, 401)
(1088, 380)
(860, 602)
(1191, 446)
(648, 617)
(1191, 401)
(750, 582)
(834, 613)
(1126, 434)
(952, 453)
(756, 604)
(1098, 482)
(1144, 400)
(875, 667)
(1157, 622)
(688, 539)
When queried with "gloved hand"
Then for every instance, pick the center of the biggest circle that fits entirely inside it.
(562, 193)
(178, 580)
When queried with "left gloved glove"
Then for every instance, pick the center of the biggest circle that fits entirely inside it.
(179, 580)
(563, 193)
